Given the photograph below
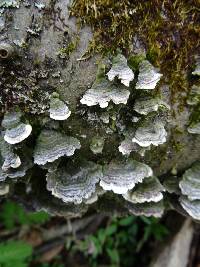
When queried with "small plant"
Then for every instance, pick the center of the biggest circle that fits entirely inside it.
(15, 254)
(120, 240)
(13, 214)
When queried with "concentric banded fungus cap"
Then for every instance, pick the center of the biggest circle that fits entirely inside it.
(58, 109)
(102, 92)
(150, 133)
(191, 207)
(150, 190)
(18, 134)
(171, 185)
(146, 105)
(121, 70)
(123, 176)
(11, 160)
(52, 145)
(148, 209)
(11, 119)
(73, 184)
(148, 76)
(194, 128)
(190, 183)
(16, 131)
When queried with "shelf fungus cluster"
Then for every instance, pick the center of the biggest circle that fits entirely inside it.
(105, 156)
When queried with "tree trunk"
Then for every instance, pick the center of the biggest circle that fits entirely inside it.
(44, 64)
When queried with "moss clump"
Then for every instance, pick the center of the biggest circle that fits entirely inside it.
(169, 31)
(65, 51)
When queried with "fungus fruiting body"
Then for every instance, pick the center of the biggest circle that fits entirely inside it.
(121, 177)
(58, 109)
(74, 185)
(52, 145)
(121, 70)
(148, 76)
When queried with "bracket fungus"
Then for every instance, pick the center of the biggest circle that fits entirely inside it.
(191, 207)
(150, 190)
(4, 189)
(97, 144)
(102, 92)
(52, 145)
(146, 105)
(11, 160)
(123, 176)
(148, 209)
(58, 109)
(6, 50)
(148, 76)
(121, 70)
(150, 133)
(73, 184)
(16, 131)
(190, 183)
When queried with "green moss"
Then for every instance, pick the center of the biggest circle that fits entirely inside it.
(169, 31)
(64, 52)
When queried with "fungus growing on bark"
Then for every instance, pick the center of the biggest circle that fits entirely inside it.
(16, 131)
(18, 134)
(74, 184)
(4, 189)
(148, 76)
(146, 105)
(121, 70)
(150, 190)
(97, 144)
(191, 207)
(58, 109)
(148, 209)
(6, 50)
(190, 183)
(151, 132)
(123, 176)
(102, 92)
(52, 145)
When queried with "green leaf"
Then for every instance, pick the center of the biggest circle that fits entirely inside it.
(111, 229)
(126, 221)
(40, 217)
(16, 251)
(114, 256)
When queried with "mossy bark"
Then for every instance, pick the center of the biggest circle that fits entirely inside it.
(49, 55)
